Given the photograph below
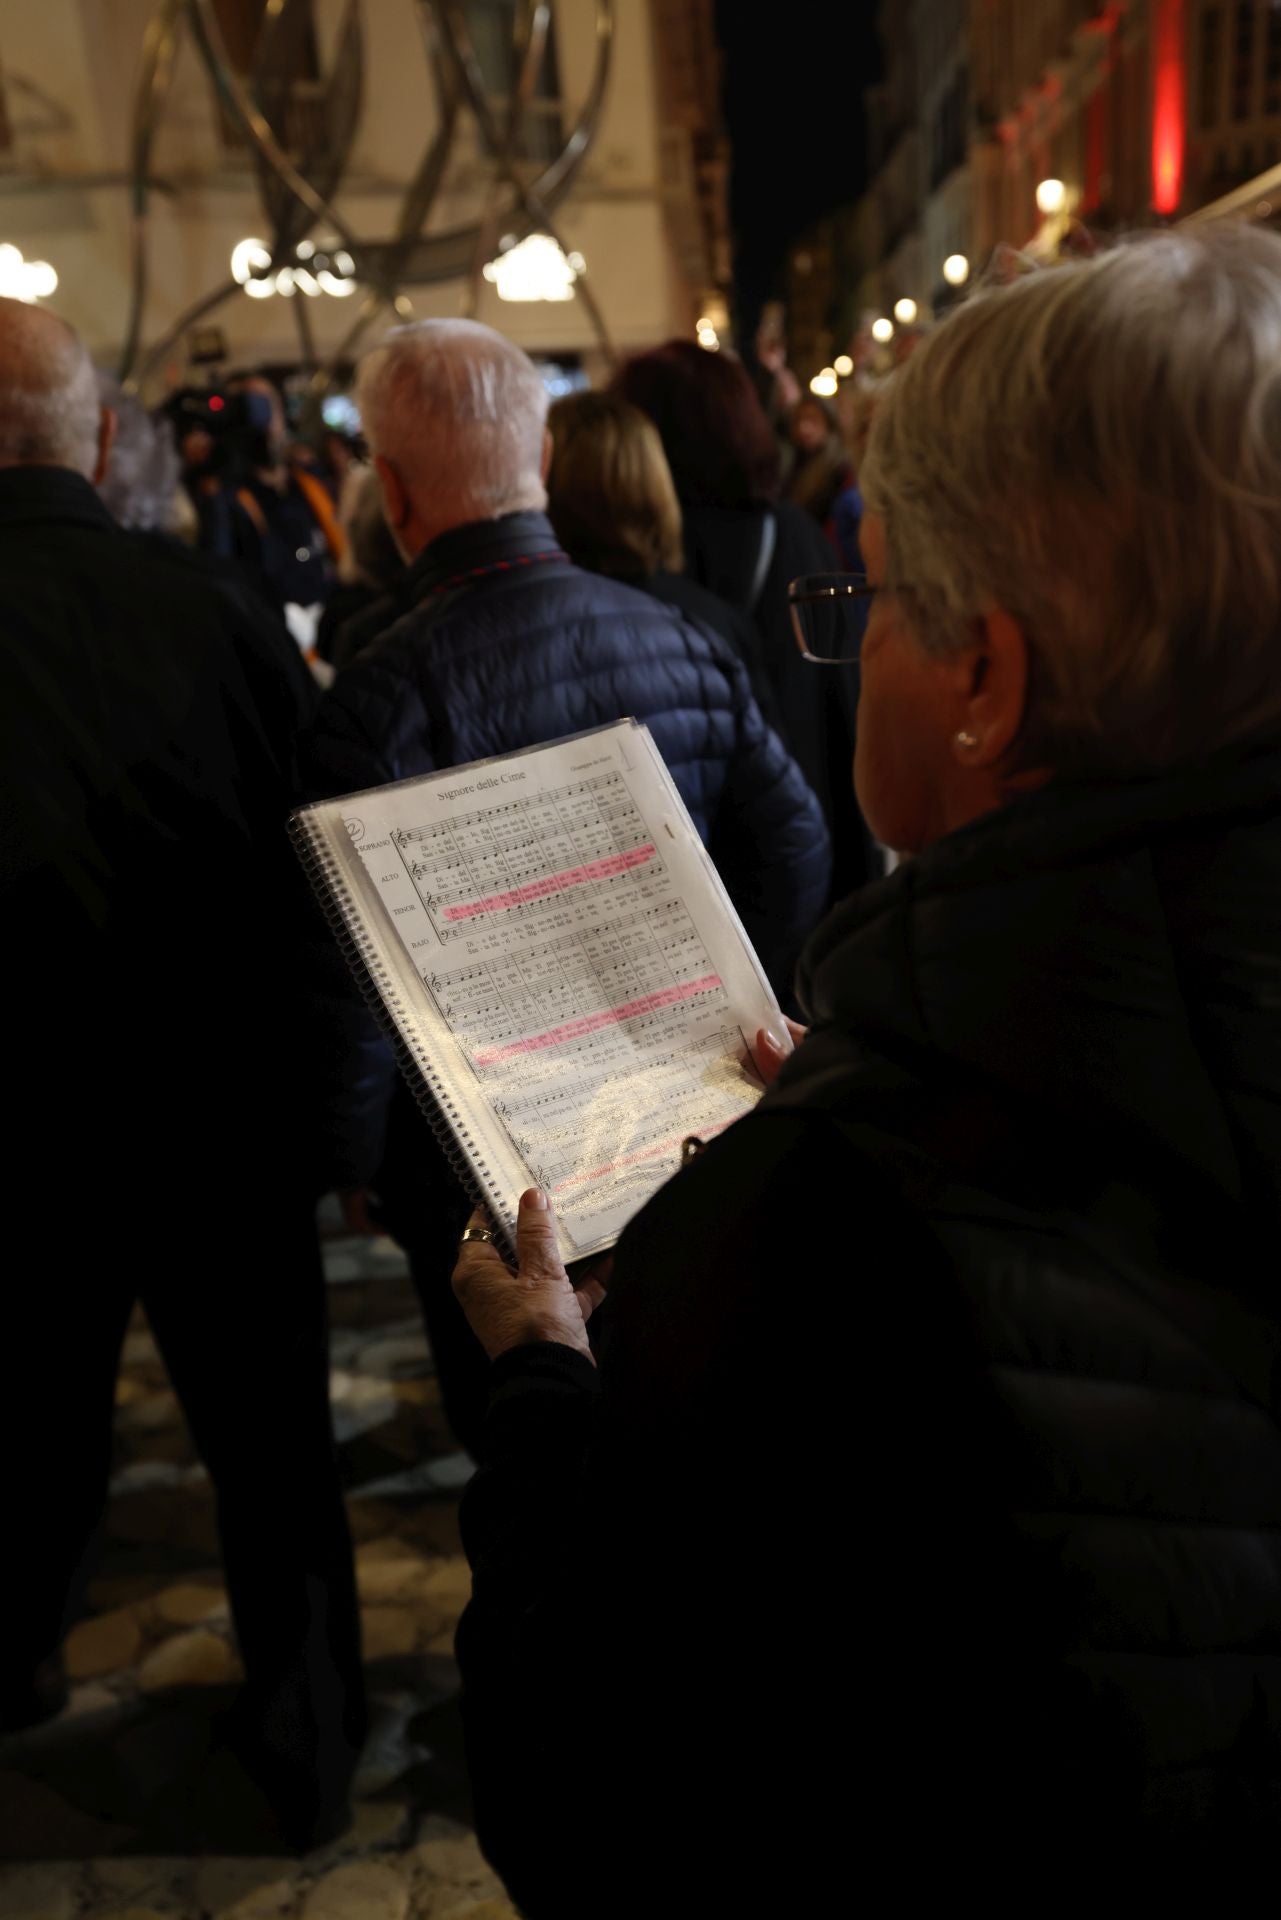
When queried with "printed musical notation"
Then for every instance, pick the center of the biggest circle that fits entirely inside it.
(521, 860)
(585, 992)
(588, 1007)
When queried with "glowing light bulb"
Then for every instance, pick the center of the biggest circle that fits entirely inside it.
(883, 330)
(905, 310)
(824, 384)
(1051, 197)
(843, 365)
(956, 269)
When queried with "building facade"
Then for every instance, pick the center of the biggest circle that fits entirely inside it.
(1144, 111)
(647, 211)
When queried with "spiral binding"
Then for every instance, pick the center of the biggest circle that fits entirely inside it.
(380, 993)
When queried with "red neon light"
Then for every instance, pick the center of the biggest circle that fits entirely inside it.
(1168, 105)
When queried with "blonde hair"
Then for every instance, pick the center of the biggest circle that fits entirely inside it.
(610, 491)
(1097, 449)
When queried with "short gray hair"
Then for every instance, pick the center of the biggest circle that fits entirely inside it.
(459, 412)
(144, 471)
(50, 415)
(1097, 449)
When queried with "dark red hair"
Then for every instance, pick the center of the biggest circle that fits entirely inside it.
(719, 444)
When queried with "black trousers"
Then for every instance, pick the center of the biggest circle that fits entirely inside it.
(237, 1307)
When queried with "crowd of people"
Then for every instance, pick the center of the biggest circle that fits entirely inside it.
(966, 1330)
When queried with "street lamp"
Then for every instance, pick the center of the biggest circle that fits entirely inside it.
(905, 310)
(882, 330)
(956, 269)
(1051, 197)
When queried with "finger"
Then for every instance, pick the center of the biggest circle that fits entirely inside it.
(589, 1297)
(537, 1251)
(770, 1051)
(476, 1257)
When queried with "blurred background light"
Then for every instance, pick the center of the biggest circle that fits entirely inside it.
(882, 330)
(956, 269)
(905, 310)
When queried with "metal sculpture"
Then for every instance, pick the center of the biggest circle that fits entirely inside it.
(297, 194)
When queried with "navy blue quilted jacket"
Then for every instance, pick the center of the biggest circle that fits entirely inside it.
(529, 652)
(538, 649)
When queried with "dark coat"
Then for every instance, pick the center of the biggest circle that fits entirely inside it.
(148, 716)
(817, 706)
(937, 1407)
(536, 649)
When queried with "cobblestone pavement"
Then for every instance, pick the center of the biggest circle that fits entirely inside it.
(85, 1800)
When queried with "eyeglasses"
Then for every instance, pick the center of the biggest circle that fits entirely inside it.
(829, 613)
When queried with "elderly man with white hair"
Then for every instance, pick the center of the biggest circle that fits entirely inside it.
(153, 1072)
(506, 645)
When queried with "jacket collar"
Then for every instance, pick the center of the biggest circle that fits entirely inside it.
(32, 495)
(1091, 965)
(481, 543)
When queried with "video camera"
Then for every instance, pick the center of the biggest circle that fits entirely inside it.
(235, 425)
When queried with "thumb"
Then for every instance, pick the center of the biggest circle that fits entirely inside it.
(537, 1251)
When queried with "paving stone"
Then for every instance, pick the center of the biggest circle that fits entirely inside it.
(103, 1644)
(129, 1913)
(381, 1580)
(388, 1547)
(150, 1880)
(89, 1699)
(272, 1902)
(148, 1413)
(187, 1606)
(108, 1590)
(452, 1857)
(41, 1893)
(362, 1891)
(371, 1519)
(388, 1630)
(189, 1660)
(403, 1359)
(242, 1887)
(448, 1583)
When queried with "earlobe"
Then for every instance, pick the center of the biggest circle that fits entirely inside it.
(106, 441)
(395, 494)
(996, 696)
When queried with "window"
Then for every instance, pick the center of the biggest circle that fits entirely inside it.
(1243, 61)
(493, 26)
(1211, 66)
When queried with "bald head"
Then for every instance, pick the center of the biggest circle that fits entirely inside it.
(455, 415)
(50, 413)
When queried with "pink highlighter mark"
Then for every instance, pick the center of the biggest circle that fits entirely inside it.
(554, 883)
(592, 1022)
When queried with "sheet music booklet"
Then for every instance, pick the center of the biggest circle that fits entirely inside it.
(570, 991)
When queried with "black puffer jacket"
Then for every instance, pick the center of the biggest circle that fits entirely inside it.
(930, 1483)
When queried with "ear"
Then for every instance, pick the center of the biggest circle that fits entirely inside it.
(992, 687)
(545, 464)
(106, 441)
(396, 503)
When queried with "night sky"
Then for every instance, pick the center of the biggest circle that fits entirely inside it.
(794, 76)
